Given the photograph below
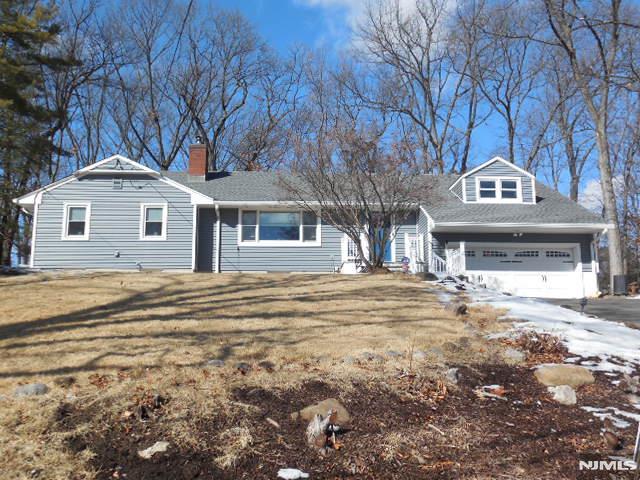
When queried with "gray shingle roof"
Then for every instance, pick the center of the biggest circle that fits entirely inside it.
(551, 207)
(238, 186)
(443, 206)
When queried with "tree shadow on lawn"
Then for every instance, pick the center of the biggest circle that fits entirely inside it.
(206, 303)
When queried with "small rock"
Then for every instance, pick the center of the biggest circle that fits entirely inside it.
(513, 355)
(612, 441)
(393, 354)
(372, 357)
(563, 394)
(457, 308)
(215, 363)
(436, 352)
(562, 374)
(158, 447)
(452, 376)
(243, 367)
(428, 276)
(64, 382)
(292, 474)
(30, 389)
(419, 355)
(321, 408)
(267, 365)
(349, 360)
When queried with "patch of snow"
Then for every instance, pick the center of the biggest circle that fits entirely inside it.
(584, 336)
(614, 414)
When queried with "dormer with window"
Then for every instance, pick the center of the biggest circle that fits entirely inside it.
(496, 181)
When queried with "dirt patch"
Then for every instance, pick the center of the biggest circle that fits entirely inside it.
(403, 426)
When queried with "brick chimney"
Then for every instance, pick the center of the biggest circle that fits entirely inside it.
(198, 158)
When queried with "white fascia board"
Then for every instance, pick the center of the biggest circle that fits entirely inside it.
(35, 197)
(519, 227)
(94, 166)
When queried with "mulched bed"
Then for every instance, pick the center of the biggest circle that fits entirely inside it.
(403, 427)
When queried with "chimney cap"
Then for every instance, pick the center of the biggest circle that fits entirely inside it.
(198, 139)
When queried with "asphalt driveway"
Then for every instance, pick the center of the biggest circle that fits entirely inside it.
(618, 309)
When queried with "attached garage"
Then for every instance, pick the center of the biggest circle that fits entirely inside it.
(530, 270)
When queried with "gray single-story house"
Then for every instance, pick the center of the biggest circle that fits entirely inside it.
(496, 224)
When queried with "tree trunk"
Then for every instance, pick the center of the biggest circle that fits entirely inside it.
(616, 263)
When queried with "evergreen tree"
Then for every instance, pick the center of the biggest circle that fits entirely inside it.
(28, 40)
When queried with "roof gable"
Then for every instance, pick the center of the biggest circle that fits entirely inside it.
(488, 163)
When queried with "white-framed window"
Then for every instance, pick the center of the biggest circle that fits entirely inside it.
(496, 189)
(153, 221)
(278, 227)
(76, 221)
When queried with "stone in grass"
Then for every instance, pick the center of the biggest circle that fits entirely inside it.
(267, 365)
(372, 357)
(457, 308)
(562, 374)
(291, 474)
(31, 389)
(158, 447)
(393, 354)
(419, 355)
(513, 355)
(452, 376)
(322, 408)
(563, 394)
(349, 360)
(243, 367)
(215, 363)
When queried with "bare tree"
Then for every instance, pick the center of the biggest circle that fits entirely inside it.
(421, 77)
(226, 61)
(589, 36)
(150, 35)
(357, 185)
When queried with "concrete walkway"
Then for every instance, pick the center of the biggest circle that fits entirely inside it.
(617, 309)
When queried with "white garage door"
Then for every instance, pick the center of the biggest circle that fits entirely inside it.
(528, 271)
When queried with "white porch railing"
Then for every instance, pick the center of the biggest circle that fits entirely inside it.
(437, 264)
(455, 262)
(453, 265)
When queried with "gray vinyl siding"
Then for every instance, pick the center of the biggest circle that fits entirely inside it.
(440, 240)
(324, 258)
(236, 258)
(408, 226)
(499, 169)
(423, 229)
(205, 250)
(114, 226)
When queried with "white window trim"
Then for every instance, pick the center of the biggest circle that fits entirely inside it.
(87, 221)
(498, 181)
(278, 243)
(143, 217)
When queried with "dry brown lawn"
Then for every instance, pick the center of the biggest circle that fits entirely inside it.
(52, 325)
(123, 336)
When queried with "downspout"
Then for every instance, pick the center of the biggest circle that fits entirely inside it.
(218, 239)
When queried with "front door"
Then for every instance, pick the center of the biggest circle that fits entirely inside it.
(387, 247)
